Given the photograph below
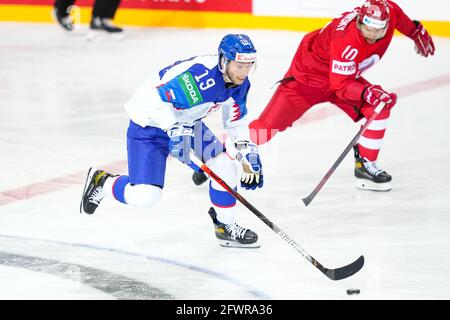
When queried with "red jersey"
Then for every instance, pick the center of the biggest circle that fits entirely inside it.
(336, 56)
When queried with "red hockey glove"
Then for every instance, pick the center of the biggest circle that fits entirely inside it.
(423, 43)
(374, 95)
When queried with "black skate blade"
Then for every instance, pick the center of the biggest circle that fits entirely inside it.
(86, 183)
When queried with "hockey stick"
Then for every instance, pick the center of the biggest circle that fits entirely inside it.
(316, 190)
(333, 274)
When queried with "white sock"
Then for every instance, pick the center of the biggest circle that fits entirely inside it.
(225, 215)
(142, 195)
(108, 186)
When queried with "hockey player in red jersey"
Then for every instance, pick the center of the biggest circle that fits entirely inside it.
(327, 67)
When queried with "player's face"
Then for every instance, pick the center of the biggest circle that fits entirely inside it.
(371, 34)
(238, 71)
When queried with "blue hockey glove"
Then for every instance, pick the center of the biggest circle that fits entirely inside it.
(180, 142)
(252, 176)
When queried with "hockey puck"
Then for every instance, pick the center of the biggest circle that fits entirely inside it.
(353, 291)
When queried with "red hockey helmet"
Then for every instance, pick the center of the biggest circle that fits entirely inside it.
(374, 14)
(373, 20)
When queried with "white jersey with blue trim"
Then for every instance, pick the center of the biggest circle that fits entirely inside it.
(188, 91)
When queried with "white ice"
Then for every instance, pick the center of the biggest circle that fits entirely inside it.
(61, 104)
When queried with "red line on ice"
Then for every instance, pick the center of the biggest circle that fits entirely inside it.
(43, 187)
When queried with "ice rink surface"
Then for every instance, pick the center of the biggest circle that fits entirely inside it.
(61, 104)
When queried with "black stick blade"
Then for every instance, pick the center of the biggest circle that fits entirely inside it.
(307, 200)
(346, 271)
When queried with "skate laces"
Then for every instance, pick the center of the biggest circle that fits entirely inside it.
(372, 167)
(236, 230)
(97, 195)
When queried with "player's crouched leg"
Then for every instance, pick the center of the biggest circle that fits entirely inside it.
(222, 211)
(100, 184)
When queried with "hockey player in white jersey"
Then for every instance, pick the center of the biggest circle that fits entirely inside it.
(165, 118)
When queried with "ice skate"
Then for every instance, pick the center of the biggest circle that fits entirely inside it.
(63, 19)
(93, 190)
(233, 235)
(104, 28)
(199, 178)
(369, 176)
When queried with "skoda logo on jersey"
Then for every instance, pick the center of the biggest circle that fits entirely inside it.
(190, 88)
